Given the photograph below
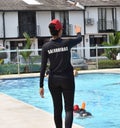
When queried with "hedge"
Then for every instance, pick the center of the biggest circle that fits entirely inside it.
(102, 64)
(13, 68)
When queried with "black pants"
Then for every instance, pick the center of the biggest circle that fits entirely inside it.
(62, 88)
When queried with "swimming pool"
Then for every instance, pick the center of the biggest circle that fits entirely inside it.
(99, 91)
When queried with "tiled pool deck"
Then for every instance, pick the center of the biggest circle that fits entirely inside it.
(17, 114)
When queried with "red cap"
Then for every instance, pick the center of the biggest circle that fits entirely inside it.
(76, 107)
(57, 24)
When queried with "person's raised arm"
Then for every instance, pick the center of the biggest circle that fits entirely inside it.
(78, 39)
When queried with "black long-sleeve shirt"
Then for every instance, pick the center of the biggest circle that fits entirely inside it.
(58, 53)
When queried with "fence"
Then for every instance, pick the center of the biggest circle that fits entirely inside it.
(34, 60)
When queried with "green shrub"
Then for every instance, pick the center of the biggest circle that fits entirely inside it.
(13, 68)
(10, 69)
(34, 68)
(102, 64)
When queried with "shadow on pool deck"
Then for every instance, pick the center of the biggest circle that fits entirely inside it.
(17, 114)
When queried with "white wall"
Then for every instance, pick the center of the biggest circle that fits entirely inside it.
(1, 25)
(76, 18)
(1, 43)
(118, 19)
(87, 45)
(34, 46)
(92, 13)
(11, 24)
(43, 19)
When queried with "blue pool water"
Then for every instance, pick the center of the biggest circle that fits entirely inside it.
(101, 92)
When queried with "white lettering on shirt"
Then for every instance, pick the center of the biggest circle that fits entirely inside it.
(62, 49)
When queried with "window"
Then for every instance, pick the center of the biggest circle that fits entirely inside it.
(13, 46)
(97, 40)
(27, 23)
(32, 2)
(107, 19)
(63, 17)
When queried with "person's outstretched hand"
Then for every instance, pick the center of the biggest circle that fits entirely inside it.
(77, 29)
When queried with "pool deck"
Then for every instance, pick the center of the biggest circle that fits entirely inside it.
(17, 114)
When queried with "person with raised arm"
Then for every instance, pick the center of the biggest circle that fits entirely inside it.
(61, 78)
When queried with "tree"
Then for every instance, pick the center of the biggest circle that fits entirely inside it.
(26, 54)
(114, 40)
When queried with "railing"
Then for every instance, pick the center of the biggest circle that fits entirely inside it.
(37, 61)
(14, 57)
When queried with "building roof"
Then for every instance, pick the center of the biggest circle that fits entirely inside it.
(12, 5)
(47, 5)
(99, 3)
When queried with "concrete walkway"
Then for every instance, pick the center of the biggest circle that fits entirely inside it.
(17, 114)
(115, 70)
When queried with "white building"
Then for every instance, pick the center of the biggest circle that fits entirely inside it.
(97, 19)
